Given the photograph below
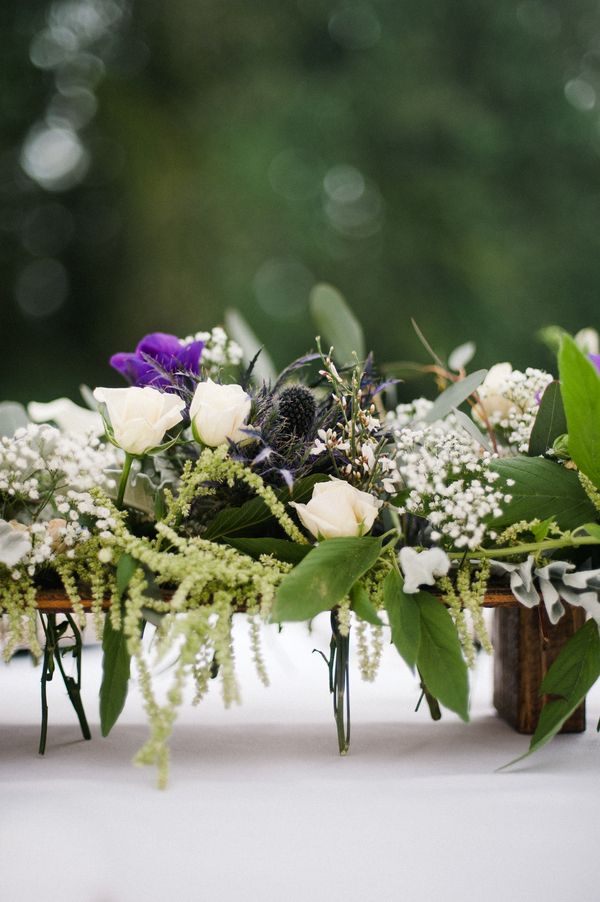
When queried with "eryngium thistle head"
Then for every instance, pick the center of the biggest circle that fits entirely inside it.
(297, 409)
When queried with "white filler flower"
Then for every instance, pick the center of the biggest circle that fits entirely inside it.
(337, 509)
(420, 568)
(218, 412)
(139, 417)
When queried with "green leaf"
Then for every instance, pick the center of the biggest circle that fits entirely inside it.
(542, 489)
(440, 659)
(455, 395)
(361, 605)
(592, 529)
(126, 567)
(580, 384)
(570, 677)
(290, 552)
(336, 323)
(115, 675)
(324, 577)
(550, 421)
(404, 617)
(233, 521)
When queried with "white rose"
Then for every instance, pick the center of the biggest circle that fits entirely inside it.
(491, 394)
(15, 542)
(68, 416)
(140, 416)
(338, 509)
(420, 568)
(218, 412)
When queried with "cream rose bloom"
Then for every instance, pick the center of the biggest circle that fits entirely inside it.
(338, 509)
(491, 394)
(218, 412)
(139, 417)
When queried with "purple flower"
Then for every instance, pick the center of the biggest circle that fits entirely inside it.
(161, 361)
(595, 358)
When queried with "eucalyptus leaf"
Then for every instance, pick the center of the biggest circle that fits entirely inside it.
(570, 677)
(240, 331)
(361, 605)
(440, 659)
(13, 416)
(469, 426)
(336, 323)
(324, 577)
(580, 384)
(404, 618)
(550, 421)
(454, 395)
(461, 355)
(116, 666)
(542, 489)
(14, 544)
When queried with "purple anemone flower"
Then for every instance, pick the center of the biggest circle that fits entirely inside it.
(595, 358)
(161, 361)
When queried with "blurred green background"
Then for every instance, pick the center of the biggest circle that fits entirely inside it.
(161, 162)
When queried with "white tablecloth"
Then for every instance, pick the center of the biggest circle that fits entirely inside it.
(260, 806)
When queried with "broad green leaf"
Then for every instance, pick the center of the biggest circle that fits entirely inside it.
(115, 676)
(580, 384)
(440, 659)
(404, 617)
(232, 522)
(240, 331)
(454, 395)
(324, 577)
(290, 552)
(126, 567)
(550, 421)
(140, 493)
(361, 605)
(13, 416)
(336, 323)
(542, 489)
(592, 529)
(570, 677)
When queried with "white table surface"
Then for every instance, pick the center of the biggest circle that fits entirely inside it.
(260, 806)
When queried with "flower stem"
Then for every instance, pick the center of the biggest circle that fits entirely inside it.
(530, 547)
(124, 479)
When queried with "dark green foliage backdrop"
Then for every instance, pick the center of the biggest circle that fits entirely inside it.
(434, 159)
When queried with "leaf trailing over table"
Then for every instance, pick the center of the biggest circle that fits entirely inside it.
(580, 384)
(542, 489)
(440, 659)
(362, 606)
(549, 423)
(324, 577)
(570, 678)
(404, 618)
(115, 676)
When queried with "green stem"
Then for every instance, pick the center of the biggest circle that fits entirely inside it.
(530, 547)
(124, 479)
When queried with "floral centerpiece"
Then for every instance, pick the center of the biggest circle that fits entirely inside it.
(197, 490)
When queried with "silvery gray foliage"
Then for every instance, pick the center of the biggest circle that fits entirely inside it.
(15, 544)
(558, 581)
(13, 416)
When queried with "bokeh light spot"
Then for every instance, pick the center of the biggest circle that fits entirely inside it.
(42, 288)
